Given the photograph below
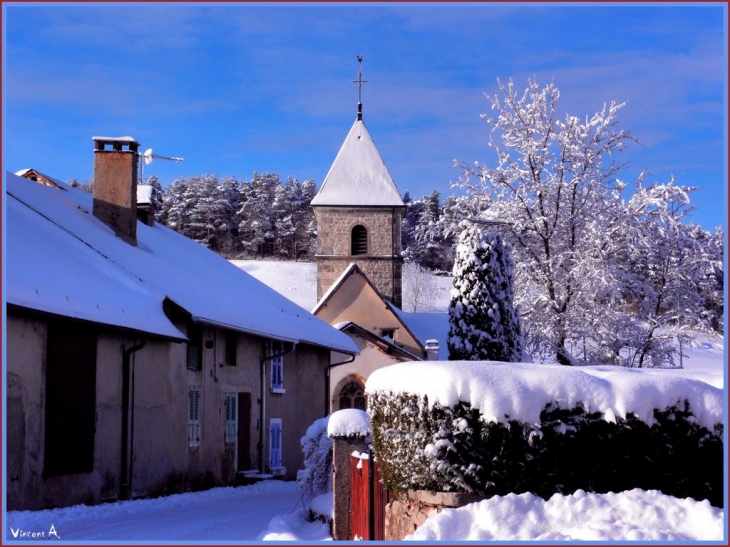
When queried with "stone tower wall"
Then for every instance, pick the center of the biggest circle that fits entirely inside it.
(383, 262)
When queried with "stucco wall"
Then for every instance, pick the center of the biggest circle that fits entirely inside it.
(302, 404)
(162, 462)
(355, 301)
(369, 360)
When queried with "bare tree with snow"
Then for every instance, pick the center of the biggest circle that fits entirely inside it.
(419, 285)
(555, 181)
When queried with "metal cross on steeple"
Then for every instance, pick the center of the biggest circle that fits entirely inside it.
(359, 82)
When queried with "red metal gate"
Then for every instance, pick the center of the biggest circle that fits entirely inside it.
(368, 499)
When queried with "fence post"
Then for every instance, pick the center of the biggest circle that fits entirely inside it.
(342, 448)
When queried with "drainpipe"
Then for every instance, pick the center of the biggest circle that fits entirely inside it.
(327, 382)
(125, 480)
(262, 400)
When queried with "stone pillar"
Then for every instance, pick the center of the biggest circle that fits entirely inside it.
(342, 448)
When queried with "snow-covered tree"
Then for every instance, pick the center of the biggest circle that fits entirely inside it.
(554, 180)
(419, 284)
(483, 323)
(664, 264)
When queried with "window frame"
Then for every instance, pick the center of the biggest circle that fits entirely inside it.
(194, 355)
(359, 240)
(193, 416)
(275, 444)
(231, 417)
(276, 376)
(230, 356)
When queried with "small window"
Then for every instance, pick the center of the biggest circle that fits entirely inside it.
(275, 443)
(231, 417)
(195, 347)
(193, 416)
(231, 348)
(359, 240)
(388, 333)
(277, 367)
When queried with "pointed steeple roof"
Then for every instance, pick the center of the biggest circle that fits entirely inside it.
(358, 176)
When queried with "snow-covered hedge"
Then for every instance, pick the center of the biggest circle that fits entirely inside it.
(496, 429)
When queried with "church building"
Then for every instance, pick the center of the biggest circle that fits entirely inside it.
(359, 212)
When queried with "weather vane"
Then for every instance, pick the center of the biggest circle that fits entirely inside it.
(359, 82)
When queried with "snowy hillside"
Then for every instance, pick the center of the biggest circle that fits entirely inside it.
(298, 282)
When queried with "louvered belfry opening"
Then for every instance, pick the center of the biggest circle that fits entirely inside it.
(359, 240)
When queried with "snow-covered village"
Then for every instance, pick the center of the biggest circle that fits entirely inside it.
(305, 321)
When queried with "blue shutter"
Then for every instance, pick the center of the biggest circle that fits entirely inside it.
(275, 443)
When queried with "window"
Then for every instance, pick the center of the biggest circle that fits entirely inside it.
(277, 367)
(352, 395)
(231, 415)
(274, 444)
(195, 347)
(359, 240)
(231, 348)
(193, 416)
(70, 399)
(388, 333)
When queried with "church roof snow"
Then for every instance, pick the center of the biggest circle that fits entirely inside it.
(358, 176)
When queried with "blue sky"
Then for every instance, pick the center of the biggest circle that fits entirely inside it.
(238, 88)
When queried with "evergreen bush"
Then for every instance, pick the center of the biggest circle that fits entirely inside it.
(431, 447)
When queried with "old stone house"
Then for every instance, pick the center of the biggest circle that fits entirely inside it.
(140, 363)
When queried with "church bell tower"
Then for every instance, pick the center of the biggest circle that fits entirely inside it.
(359, 212)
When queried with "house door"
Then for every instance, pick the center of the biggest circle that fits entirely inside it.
(244, 431)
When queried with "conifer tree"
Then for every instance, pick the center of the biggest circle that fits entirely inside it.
(483, 324)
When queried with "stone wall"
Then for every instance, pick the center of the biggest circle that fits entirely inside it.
(383, 262)
(334, 227)
(408, 510)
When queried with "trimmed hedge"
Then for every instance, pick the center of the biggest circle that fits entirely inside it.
(431, 447)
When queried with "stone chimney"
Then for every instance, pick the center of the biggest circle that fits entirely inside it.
(115, 185)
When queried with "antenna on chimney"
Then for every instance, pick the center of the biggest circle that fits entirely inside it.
(148, 156)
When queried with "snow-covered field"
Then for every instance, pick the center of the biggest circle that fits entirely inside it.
(274, 510)
(298, 282)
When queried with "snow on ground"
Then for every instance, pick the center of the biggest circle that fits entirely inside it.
(295, 280)
(246, 513)
(298, 282)
(635, 515)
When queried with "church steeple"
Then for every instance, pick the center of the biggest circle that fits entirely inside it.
(359, 82)
(359, 212)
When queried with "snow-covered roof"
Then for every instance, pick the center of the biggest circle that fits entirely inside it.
(520, 391)
(63, 260)
(358, 176)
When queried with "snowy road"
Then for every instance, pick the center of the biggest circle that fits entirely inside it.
(221, 514)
